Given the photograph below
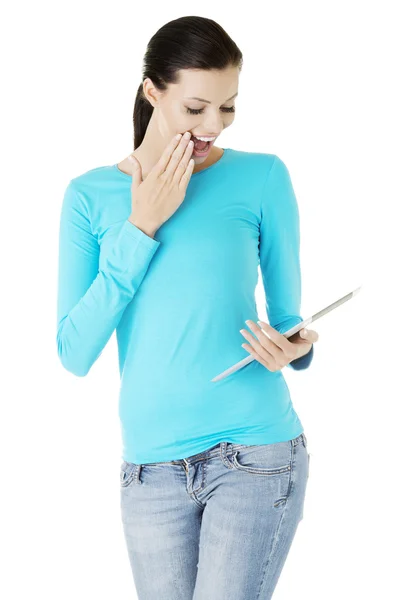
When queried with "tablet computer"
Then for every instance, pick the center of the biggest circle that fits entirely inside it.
(289, 333)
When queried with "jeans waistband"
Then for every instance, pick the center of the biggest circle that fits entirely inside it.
(228, 448)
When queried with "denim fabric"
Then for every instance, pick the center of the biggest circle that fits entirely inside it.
(215, 525)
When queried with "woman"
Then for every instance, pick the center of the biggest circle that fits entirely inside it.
(164, 248)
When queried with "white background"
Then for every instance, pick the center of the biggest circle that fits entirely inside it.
(318, 88)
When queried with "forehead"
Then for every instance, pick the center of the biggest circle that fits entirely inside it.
(210, 84)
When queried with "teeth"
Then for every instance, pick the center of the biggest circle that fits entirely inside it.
(205, 139)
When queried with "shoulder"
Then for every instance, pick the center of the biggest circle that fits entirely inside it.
(85, 192)
(260, 165)
(90, 182)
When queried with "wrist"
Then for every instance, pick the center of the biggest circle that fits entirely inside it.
(146, 228)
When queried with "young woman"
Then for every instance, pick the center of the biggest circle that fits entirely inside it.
(164, 248)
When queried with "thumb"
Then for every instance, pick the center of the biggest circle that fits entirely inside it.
(136, 171)
(303, 333)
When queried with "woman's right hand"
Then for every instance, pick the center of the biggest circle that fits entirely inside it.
(156, 199)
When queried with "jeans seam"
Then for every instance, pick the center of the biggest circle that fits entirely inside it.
(275, 540)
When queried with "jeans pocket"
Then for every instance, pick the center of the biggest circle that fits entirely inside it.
(127, 473)
(263, 459)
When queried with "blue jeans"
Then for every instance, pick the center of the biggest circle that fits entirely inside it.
(216, 525)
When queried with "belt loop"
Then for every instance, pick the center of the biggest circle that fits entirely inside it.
(223, 454)
(137, 468)
(222, 449)
(304, 439)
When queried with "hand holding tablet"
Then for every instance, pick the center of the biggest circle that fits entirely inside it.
(289, 333)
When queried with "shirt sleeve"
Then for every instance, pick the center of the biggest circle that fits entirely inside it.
(90, 300)
(279, 250)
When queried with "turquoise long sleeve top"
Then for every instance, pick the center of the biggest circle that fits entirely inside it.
(177, 303)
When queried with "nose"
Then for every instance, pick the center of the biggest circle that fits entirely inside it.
(215, 125)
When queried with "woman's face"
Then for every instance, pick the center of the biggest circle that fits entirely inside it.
(203, 102)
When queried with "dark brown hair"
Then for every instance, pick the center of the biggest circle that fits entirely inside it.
(184, 43)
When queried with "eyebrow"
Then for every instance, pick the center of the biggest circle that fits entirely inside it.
(208, 101)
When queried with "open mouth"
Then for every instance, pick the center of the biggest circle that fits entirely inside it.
(201, 147)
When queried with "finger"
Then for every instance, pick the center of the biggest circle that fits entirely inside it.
(309, 335)
(268, 352)
(268, 344)
(266, 364)
(177, 156)
(181, 169)
(186, 176)
(280, 340)
(164, 159)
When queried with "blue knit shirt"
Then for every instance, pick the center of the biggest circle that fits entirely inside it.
(178, 301)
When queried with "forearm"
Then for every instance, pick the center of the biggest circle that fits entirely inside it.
(85, 326)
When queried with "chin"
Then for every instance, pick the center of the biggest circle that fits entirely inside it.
(199, 159)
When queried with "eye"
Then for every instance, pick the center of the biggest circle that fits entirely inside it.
(194, 111)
